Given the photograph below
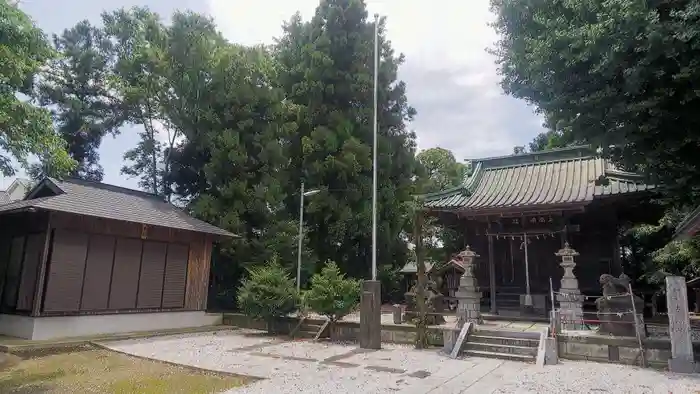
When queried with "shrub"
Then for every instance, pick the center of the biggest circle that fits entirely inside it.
(331, 294)
(267, 293)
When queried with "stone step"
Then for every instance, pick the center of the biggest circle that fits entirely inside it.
(501, 340)
(501, 349)
(500, 356)
(311, 327)
(508, 334)
(305, 334)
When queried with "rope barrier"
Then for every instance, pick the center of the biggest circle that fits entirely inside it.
(619, 314)
(589, 297)
(594, 321)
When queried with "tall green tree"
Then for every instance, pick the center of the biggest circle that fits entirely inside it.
(76, 88)
(616, 74)
(232, 164)
(141, 70)
(25, 129)
(443, 171)
(439, 170)
(327, 74)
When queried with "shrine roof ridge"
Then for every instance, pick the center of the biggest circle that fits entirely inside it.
(571, 152)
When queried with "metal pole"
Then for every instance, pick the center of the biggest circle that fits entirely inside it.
(528, 297)
(552, 314)
(301, 236)
(551, 291)
(637, 328)
(374, 159)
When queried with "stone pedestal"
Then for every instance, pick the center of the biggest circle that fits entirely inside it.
(371, 315)
(537, 304)
(398, 314)
(468, 298)
(449, 338)
(682, 358)
(569, 297)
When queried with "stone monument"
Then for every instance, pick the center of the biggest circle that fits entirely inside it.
(615, 309)
(469, 299)
(569, 297)
(682, 359)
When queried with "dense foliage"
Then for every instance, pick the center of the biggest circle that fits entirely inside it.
(332, 294)
(267, 293)
(617, 74)
(326, 71)
(25, 129)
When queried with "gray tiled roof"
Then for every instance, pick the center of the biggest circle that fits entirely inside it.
(550, 178)
(4, 197)
(113, 202)
(689, 226)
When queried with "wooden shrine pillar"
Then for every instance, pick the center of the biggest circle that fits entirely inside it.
(492, 277)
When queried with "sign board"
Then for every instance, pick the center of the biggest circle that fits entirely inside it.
(460, 340)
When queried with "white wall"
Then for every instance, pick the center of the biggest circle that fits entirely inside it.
(54, 327)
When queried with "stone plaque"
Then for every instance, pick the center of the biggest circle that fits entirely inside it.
(679, 326)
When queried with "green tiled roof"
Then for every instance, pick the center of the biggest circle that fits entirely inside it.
(549, 179)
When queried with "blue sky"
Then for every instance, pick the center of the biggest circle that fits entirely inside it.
(451, 80)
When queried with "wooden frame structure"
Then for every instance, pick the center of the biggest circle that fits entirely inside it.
(60, 255)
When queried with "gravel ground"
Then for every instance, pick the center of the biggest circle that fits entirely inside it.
(307, 367)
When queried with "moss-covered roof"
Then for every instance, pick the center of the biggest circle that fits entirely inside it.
(548, 179)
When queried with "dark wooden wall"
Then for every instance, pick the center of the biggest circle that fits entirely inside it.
(22, 250)
(91, 265)
(595, 239)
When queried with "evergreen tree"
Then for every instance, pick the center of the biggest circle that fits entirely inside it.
(327, 73)
(24, 128)
(76, 87)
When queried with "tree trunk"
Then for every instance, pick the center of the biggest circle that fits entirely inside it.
(421, 322)
(271, 326)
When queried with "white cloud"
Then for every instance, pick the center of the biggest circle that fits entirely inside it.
(451, 79)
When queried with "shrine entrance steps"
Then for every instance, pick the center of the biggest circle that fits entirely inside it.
(504, 345)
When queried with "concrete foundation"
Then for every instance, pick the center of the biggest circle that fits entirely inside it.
(371, 315)
(54, 327)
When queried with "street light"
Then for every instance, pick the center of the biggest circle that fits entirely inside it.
(301, 230)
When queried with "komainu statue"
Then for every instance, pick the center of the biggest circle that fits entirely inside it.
(615, 310)
(433, 301)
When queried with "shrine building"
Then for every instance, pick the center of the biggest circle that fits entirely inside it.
(517, 211)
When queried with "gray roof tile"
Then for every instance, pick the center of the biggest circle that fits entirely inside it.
(550, 178)
(113, 202)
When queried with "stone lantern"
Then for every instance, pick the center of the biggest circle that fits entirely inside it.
(569, 297)
(468, 298)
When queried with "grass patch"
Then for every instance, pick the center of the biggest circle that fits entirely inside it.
(103, 371)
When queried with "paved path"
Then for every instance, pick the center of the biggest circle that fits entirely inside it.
(307, 367)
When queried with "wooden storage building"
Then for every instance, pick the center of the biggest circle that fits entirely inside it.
(85, 258)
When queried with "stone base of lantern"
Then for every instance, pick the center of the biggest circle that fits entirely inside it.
(469, 308)
(571, 309)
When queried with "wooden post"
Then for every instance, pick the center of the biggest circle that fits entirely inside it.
(492, 277)
(421, 327)
(41, 274)
(528, 296)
